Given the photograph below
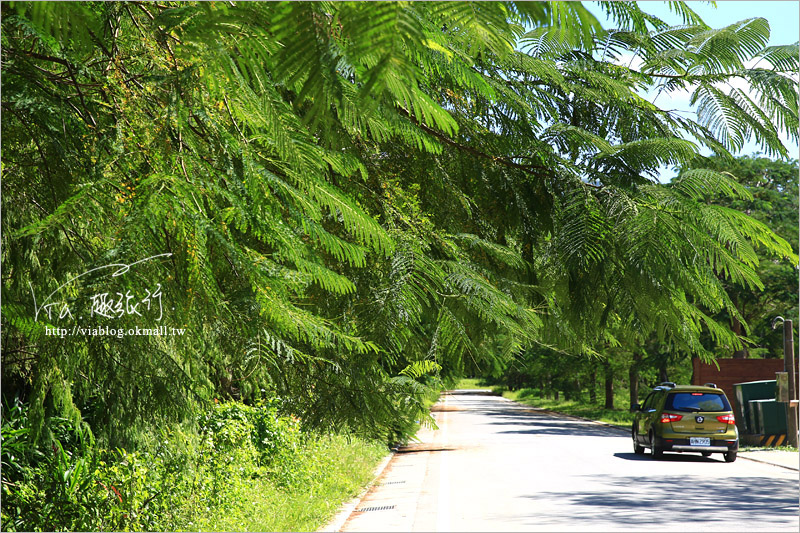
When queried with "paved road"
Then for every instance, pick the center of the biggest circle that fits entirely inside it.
(494, 465)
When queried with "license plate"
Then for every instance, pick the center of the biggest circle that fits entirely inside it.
(699, 441)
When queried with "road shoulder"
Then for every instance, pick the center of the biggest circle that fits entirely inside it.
(781, 458)
(338, 521)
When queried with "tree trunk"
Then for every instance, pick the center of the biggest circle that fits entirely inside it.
(736, 327)
(662, 367)
(593, 385)
(633, 378)
(609, 377)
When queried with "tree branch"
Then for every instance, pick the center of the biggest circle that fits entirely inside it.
(469, 149)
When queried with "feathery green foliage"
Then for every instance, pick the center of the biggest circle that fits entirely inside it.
(344, 202)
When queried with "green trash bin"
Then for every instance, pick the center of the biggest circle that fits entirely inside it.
(753, 418)
(771, 416)
(746, 420)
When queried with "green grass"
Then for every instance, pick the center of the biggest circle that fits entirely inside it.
(339, 471)
(246, 469)
(471, 383)
(616, 417)
(768, 448)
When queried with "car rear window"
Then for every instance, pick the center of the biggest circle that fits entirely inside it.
(697, 401)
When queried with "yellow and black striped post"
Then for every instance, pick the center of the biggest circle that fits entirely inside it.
(772, 440)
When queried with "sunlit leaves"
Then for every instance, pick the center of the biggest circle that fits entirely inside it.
(360, 197)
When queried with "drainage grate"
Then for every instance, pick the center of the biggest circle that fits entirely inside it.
(393, 482)
(378, 508)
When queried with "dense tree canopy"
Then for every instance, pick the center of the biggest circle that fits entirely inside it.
(355, 198)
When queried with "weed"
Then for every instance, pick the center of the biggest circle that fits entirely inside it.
(246, 468)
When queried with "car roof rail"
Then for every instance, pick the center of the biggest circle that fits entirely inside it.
(712, 385)
(669, 384)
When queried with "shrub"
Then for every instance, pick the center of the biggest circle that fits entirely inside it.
(70, 484)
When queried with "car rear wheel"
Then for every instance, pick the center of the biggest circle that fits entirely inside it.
(730, 457)
(655, 451)
(638, 449)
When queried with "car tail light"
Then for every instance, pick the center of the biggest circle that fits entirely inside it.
(666, 418)
(726, 419)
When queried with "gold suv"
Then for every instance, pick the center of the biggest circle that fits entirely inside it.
(685, 418)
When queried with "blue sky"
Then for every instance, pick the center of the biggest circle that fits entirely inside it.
(783, 17)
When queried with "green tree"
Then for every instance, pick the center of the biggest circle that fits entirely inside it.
(242, 141)
(773, 186)
(356, 198)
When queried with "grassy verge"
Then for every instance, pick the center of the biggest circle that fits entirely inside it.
(244, 468)
(337, 471)
(616, 417)
(471, 383)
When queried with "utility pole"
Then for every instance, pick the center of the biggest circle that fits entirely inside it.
(792, 386)
(789, 366)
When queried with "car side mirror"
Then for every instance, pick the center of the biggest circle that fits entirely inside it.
(635, 407)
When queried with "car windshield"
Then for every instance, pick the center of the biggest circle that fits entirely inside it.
(697, 401)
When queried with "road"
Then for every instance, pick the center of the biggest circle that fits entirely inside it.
(495, 465)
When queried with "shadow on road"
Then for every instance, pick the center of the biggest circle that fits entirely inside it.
(682, 499)
(424, 448)
(667, 457)
(538, 423)
(535, 421)
(575, 430)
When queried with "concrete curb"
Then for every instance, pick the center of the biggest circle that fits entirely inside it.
(796, 469)
(338, 521)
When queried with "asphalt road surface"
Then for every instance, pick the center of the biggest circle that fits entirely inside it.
(494, 465)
